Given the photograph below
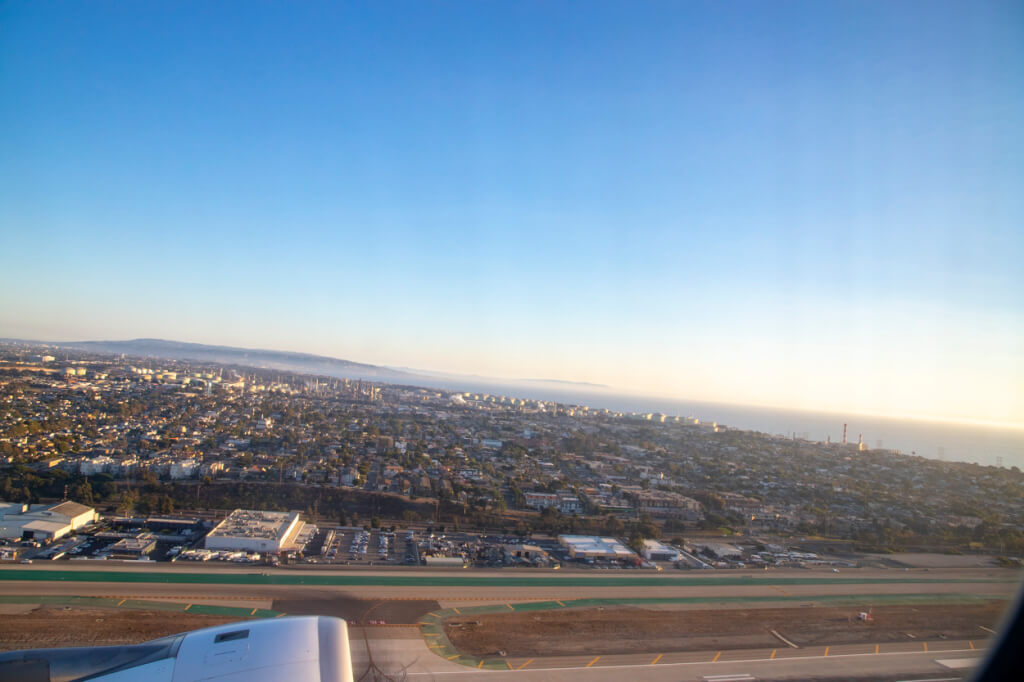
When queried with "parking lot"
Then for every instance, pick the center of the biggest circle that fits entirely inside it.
(182, 540)
(358, 546)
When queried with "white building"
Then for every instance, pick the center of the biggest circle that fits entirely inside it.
(540, 500)
(43, 522)
(656, 551)
(255, 531)
(127, 465)
(96, 465)
(567, 504)
(593, 547)
(183, 468)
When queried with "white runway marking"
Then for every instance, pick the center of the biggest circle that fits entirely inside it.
(690, 663)
(958, 663)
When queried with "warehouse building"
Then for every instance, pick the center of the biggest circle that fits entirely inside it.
(43, 522)
(593, 547)
(719, 550)
(656, 551)
(133, 548)
(256, 531)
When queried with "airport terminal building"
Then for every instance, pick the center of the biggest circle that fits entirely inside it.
(255, 531)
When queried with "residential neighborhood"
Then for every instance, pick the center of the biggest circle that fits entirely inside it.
(145, 436)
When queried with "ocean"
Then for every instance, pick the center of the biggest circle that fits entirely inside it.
(992, 446)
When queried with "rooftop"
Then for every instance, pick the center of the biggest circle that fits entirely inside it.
(70, 509)
(245, 523)
(592, 544)
(140, 543)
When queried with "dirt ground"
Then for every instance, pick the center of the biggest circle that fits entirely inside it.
(925, 560)
(53, 626)
(394, 612)
(633, 630)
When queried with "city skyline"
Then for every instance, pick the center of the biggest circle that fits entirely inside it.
(811, 207)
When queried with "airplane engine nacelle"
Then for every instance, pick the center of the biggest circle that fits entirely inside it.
(313, 648)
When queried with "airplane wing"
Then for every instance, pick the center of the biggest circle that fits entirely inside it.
(308, 648)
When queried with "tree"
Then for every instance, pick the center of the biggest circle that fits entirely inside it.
(82, 492)
(613, 526)
(126, 503)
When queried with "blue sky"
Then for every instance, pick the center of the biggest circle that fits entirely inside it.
(801, 204)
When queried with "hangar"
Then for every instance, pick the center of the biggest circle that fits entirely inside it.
(43, 522)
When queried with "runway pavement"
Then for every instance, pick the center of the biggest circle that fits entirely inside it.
(452, 587)
(399, 654)
(351, 603)
(402, 595)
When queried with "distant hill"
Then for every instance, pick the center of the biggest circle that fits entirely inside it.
(285, 361)
(306, 363)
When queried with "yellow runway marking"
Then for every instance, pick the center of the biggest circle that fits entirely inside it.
(188, 607)
(253, 612)
(422, 623)
(774, 651)
(193, 597)
(780, 590)
(280, 614)
(456, 610)
(480, 664)
(559, 602)
(655, 661)
(525, 664)
(717, 656)
(452, 656)
(925, 645)
(826, 651)
(596, 659)
(121, 602)
(971, 644)
(876, 648)
(509, 665)
(509, 606)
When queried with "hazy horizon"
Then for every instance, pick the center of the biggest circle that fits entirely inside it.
(804, 206)
(580, 389)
